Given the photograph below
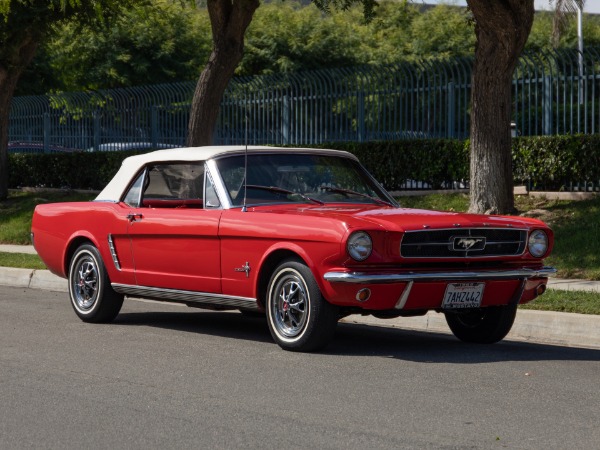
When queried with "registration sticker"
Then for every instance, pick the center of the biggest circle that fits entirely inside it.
(463, 295)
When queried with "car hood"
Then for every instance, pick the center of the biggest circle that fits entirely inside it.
(404, 219)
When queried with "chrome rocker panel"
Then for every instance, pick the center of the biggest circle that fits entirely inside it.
(199, 299)
(382, 278)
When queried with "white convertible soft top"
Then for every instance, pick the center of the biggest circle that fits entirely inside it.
(132, 165)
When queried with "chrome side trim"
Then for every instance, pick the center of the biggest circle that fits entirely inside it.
(381, 278)
(175, 295)
(404, 297)
(113, 252)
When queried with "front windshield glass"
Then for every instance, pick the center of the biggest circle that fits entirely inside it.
(288, 178)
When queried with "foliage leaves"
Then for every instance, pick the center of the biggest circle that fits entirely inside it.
(144, 45)
(554, 162)
(170, 41)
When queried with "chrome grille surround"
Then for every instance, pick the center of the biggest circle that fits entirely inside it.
(478, 242)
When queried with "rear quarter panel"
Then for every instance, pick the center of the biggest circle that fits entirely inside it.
(57, 226)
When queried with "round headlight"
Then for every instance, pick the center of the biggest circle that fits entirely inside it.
(538, 243)
(359, 246)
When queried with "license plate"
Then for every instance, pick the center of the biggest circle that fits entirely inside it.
(463, 295)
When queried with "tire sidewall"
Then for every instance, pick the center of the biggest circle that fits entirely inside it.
(299, 271)
(495, 323)
(82, 253)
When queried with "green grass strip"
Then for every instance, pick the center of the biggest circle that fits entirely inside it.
(580, 302)
(21, 261)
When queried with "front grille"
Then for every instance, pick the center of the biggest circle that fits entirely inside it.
(463, 243)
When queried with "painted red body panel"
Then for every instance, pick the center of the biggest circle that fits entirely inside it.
(207, 250)
(177, 248)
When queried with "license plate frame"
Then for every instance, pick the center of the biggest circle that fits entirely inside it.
(463, 295)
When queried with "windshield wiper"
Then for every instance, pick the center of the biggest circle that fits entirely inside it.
(284, 191)
(351, 192)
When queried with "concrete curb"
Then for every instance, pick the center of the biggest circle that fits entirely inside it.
(545, 327)
(573, 285)
(32, 279)
(44, 279)
(553, 283)
(15, 277)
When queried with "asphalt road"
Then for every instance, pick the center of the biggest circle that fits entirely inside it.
(166, 376)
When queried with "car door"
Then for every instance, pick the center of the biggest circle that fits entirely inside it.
(173, 233)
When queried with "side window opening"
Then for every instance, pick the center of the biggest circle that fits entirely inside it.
(169, 185)
(211, 199)
(133, 195)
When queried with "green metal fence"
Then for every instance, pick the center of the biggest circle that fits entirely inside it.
(554, 93)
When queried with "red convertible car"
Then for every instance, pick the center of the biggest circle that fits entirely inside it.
(304, 236)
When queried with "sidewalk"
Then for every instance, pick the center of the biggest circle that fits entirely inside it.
(28, 249)
(545, 327)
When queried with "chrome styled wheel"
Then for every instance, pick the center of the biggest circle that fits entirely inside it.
(290, 306)
(299, 317)
(92, 296)
(85, 283)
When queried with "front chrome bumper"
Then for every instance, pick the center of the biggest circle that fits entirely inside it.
(382, 278)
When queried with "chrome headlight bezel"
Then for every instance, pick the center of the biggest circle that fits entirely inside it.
(537, 244)
(359, 245)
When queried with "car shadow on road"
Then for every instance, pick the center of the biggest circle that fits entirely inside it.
(430, 347)
(362, 340)
(224, 324)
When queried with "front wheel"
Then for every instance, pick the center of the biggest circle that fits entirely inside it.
(92, 296)
(483, 325)
(299, 318)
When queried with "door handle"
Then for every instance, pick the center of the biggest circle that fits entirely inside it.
(134, 217)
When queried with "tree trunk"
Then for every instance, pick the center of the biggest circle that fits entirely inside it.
(9, 76)
(229, 20)
(502, 28)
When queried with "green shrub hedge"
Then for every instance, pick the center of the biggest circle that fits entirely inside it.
(555, 162)
(78, 170)
(552, 163)
(437, 162)
(549, 162)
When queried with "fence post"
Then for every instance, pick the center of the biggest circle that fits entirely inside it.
(46, 133)
(285, 120)
(360, 116)
(450, 130)
(154, 126)
(547, 106)
(96, 119)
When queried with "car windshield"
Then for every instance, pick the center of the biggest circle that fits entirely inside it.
(284, 178)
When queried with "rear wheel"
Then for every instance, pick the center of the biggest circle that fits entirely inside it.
(483, 325)
(299, 318)
(92, 296)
